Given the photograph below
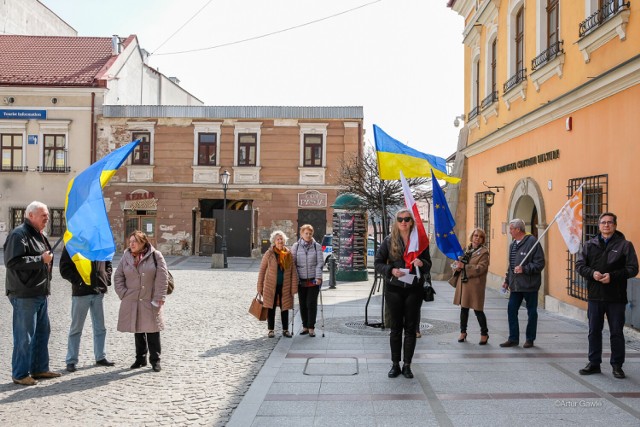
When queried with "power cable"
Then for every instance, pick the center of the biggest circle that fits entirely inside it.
(271, 33)
(181, 27)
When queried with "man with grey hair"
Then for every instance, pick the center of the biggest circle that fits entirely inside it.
(523, 278)
(28, 258)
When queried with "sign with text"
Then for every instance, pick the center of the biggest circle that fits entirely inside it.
(23, 114)
(531, 161)
(312, 199)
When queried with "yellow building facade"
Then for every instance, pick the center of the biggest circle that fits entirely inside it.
(552, 99)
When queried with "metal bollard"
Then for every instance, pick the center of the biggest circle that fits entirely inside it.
(332, 272)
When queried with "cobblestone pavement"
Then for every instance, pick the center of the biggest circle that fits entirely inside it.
(211, 352)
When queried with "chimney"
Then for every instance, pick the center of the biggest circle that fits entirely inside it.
(115, 44)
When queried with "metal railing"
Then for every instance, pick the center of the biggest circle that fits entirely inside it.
(518, 77)
(54, 169)
(14, 169)
(493, 97)
(547, 55)
(609, 9)
(473, 113)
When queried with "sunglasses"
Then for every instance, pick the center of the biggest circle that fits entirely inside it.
(404, 218)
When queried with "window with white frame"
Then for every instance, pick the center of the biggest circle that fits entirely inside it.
(475, 89)
(313, 144)
(54, 146)
(207, 149)
(313, 150)
(142, 153)
(247, 149)
(13, 136)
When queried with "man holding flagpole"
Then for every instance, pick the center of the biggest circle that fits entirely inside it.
(523, 278)
(606, 262)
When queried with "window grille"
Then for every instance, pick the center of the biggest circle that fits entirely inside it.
(483, 217)
(595, 201)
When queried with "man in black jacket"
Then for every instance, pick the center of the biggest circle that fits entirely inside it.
(523, 278)
(606, 262)
(85, 298)
(28, 258)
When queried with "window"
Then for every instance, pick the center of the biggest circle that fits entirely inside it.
(247, 145)
(12, 153)
(144, 221)
(54, 154)
(483, 216)
(142, 153)
(494, 63)
(313, 150)
(17, 217)
(57, 223)
(595, 200)
(207, 148)
(519, 39)
(553, 28)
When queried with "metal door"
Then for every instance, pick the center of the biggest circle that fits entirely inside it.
(317, 218)
(238, 232)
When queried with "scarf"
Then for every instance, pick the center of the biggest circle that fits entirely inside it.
(137, 256)
(284, 258)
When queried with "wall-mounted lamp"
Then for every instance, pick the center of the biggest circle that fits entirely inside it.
(488, 199)
(456, 121)
(495, 187)
(9, 100)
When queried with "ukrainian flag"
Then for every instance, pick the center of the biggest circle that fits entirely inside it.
(88, 236)
(394, 156)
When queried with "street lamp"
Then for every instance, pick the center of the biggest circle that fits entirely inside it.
(224, 179)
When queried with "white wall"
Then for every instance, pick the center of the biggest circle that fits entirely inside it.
(30, 17)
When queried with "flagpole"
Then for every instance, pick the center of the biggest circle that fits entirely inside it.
(548, 227)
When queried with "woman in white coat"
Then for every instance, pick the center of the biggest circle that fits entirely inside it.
(141, 284)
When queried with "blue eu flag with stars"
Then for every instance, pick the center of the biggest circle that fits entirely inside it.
(443, 222)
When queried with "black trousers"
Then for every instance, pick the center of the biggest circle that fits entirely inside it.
(148, 342)
(308, 297)
(404, 305)
(482, 320)
(284, 314)
(615, 312)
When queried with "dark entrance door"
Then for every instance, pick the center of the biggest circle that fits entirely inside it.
(238, 232)
(207, 236)
(318, 220)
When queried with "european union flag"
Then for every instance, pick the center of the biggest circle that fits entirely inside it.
(443, 222)
(88, 236)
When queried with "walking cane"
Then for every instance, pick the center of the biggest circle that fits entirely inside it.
(322, 311)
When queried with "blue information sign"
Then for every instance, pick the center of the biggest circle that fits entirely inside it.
(23, 114)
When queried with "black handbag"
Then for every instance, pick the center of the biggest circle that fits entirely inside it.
(429, 293)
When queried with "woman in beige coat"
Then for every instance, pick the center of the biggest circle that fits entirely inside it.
(141, 283)
(470, 292)
(278, 282)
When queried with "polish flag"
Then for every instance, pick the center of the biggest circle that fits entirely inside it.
(418, 240)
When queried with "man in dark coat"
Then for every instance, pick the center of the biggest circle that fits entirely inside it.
(606, 262)
(523, 278)
(85, 298)
(28, 258)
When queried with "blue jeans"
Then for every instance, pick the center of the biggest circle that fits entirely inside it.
(31, 331)
(515, 300)
(615, 312)
(79, 308)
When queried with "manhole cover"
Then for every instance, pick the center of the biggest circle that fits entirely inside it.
(356, 326)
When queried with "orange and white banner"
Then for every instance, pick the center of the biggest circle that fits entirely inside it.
(569, 221)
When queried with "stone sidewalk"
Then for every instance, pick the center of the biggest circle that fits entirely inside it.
(211, 352)
(341, 379)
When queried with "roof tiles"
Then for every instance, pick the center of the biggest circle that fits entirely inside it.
(52, 61)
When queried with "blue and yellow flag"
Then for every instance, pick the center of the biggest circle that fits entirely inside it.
(394, 156)
(443, 223)
(88, 236)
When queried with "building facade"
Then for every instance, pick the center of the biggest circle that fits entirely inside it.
(283, 164)
(52, 90)
(551, 90)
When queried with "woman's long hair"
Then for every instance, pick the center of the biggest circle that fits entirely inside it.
(396, 251)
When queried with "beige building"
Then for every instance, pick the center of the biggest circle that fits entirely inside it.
(283, 161)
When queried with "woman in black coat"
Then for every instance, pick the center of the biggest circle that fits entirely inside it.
(403, 299)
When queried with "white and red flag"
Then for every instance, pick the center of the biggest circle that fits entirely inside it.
(418, 240)
(569, 221)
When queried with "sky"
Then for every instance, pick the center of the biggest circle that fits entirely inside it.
(401, 60)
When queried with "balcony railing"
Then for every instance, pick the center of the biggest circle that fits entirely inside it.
(554, 50)
(518, 77)
(14, 169)
(609, 9)
(473, 113)
(54, 169)
(493, 97)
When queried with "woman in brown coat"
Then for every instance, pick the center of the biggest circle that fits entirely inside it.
(278, 282)
(141, 283)
(470, 292)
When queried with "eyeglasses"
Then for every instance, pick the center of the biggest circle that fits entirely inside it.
(606, 222)
(404, 218)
